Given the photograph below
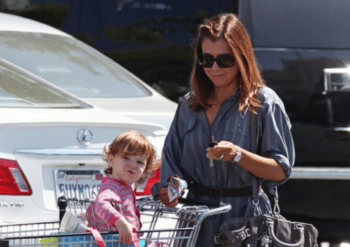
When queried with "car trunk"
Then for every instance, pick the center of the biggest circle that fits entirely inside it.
(57, 160)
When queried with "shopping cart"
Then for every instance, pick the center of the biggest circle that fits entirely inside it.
(162, 226)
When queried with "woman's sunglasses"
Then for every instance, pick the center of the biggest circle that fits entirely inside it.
(223, 60)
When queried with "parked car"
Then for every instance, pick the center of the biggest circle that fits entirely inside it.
(51, 145)
(81, 70)
(303, 50)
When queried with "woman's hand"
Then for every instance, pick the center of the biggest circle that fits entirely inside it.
(164, 198)
(125, 230)
(224, 151)
(260, 166)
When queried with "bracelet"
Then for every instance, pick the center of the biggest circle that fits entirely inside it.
(238, 155)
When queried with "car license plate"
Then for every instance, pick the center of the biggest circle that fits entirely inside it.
(79, 184)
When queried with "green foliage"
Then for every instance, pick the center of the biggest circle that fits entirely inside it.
(166, 69)
(129, 33)
(152, 30)
(49, 13)
(86, 38)
(195, 18)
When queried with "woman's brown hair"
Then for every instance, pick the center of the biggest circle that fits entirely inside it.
(231, 29)
(132, 143)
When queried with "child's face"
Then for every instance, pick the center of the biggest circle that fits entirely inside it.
(128, 169)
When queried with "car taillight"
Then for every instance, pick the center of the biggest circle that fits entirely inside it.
(12, 179)
(146, 190)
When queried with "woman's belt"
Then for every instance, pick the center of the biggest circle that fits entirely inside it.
(207, 191)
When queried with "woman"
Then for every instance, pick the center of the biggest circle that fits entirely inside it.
(226, 86)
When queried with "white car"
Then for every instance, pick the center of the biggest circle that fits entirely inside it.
(51, 145)
(81, 70)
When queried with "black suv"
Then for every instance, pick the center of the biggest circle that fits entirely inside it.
(303, 50)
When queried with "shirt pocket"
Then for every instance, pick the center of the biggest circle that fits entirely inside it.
(238, 138)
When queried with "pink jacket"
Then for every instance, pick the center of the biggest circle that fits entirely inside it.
(115, 199)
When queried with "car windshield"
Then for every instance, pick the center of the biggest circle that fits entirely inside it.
(70, 65)
(20, 89)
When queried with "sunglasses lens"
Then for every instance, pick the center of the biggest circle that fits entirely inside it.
(225, 60)
(205, 60)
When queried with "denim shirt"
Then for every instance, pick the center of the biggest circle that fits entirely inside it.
(184, 153)
(184, 150)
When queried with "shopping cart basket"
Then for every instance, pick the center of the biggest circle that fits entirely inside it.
(162, 226)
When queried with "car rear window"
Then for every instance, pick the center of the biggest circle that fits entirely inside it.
(70, 65)
(20, 89)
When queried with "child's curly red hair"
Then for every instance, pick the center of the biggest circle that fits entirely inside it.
(132, 143)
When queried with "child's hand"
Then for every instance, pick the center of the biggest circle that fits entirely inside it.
(125, 230)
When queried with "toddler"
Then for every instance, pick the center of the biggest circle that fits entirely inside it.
(130, 160)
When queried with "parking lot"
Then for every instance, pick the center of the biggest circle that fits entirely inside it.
(69, 87)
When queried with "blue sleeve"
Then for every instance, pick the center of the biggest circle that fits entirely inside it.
(277, 140)
(172, 150)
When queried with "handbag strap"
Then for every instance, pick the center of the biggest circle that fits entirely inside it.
(254, 147)
(254, 143)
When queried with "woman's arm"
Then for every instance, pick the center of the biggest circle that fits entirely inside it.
(104, 208)
(172, 153)
(277, 154)
(172, 150)
(263, 167)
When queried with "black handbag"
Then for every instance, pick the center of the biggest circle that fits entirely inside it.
(268, 230)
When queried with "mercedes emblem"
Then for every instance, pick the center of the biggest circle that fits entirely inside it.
(85, 136)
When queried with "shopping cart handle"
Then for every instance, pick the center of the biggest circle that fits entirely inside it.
(155, 189)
